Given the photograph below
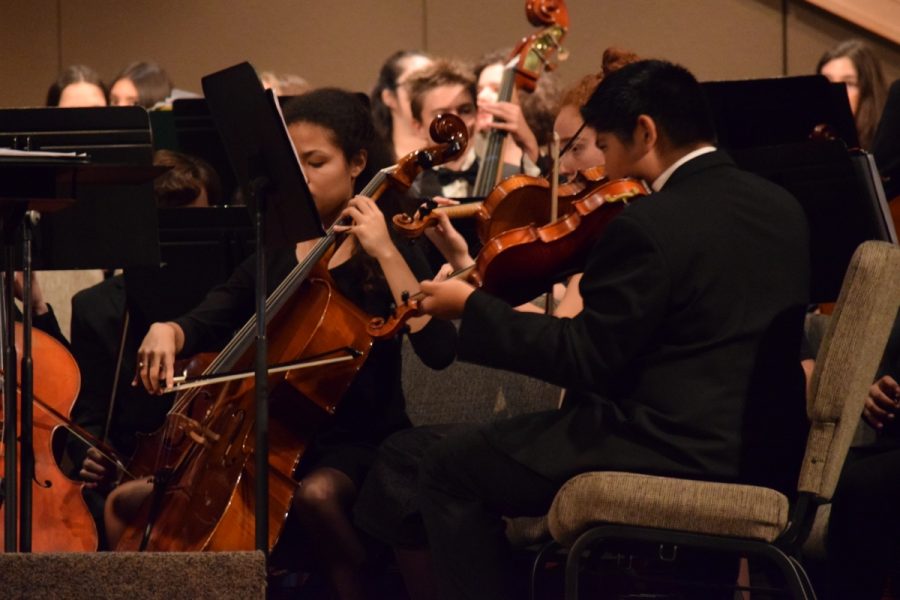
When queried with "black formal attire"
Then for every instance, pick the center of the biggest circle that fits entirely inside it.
(684, 361)
(863, 540)
(98, 316)
(373, 407)
(48, 324)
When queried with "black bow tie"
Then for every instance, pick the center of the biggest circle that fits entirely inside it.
(447, 176)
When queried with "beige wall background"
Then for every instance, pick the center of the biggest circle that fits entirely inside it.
(343, 42)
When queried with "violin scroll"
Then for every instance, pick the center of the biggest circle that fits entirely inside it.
(452, 137)
(385, 329)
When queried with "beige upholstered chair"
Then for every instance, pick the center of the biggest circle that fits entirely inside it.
(747, 520)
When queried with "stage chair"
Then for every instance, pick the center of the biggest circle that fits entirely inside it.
(743, 520)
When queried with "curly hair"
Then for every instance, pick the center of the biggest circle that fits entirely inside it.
(347, 118)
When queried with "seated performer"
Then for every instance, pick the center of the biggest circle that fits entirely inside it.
(391, 112)
(77, 86)
(140, 84)
(98, 319)
(340, 152)
(444, 87)
(683, 361)
(863, 543)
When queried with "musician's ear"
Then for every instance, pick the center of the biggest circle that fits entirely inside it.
(645, 132)
(358, 163)
(389, 98)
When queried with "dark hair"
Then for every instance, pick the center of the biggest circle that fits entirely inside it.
(182, 184)
(387, 80)
(666, 92)
(149, 79)
(442, 72)
(871, 83)
(346, 116)
(70, 75)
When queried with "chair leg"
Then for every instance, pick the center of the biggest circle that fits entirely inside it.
(573, 560)
(805, 581)
(539, 560)
(794, 574)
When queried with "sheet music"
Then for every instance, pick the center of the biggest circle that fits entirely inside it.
(26, 154)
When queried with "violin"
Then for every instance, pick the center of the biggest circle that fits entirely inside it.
(531, 56)
(203, 496)
(521, 263)
(518, 201)
(58, 508)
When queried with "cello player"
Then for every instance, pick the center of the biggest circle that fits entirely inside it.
(339, 151)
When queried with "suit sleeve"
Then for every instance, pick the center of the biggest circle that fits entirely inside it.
(625, 290)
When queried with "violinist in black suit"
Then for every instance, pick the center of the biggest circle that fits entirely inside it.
(683, 358)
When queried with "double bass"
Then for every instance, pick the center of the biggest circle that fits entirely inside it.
(526, 63)
(203, 495)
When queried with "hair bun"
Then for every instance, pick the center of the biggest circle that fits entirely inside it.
(364, 99)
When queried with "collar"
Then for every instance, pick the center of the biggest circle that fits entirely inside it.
(660, 181)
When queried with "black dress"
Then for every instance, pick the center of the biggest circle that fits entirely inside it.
(373, 406)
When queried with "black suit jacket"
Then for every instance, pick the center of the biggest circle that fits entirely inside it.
(685, 359)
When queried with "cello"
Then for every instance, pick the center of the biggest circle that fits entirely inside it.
(203, 497)
(59, 510)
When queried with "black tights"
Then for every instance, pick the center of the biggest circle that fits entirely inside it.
(322, 505)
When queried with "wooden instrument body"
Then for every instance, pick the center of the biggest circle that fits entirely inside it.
(61, 519)
(209, 500)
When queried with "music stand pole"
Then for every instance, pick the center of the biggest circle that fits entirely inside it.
(258, 191)
(27, 404)
(12, 218)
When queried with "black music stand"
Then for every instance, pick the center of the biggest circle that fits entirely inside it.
(189, 128)
(112, 225)
(200, 247)
(766, 124)
(267, 169)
